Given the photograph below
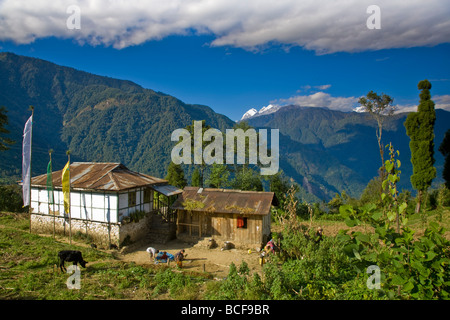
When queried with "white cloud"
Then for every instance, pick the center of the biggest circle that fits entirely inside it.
(344, 104)
(440, 102)
(322, 100)
(322, 26)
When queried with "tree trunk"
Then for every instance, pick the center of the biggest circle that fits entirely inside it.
(419, 200)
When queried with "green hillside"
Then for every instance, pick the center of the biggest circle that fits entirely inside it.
(97, 118)
(338, 151)
(109, 120)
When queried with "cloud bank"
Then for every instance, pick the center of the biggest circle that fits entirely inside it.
(347, 104)
(322, 26)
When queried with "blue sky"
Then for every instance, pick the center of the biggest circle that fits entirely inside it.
(194, 51)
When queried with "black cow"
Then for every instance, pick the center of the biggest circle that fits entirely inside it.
(70, 256)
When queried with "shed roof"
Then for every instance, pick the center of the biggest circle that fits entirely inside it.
(100, 176)
(227, 201)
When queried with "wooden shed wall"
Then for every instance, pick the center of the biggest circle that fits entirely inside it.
(224, 226)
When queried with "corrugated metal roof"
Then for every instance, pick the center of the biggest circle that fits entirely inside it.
(100, 176)
(228, 200)
(167, 190)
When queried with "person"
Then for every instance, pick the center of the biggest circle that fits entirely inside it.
(179, 257)
(319, 233)
(270, 247)
(163, 256)
(153, 252)
(261, 258)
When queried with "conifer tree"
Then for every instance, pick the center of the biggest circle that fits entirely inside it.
(197, 180)
(4, 142)
(420, 128)
(175, 175)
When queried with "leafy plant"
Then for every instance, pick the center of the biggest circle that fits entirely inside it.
(412, 268)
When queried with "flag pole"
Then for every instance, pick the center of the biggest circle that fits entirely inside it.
(53, 196)
(31, 153)
(70, 219)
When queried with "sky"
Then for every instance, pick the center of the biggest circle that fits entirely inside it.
(234, 55)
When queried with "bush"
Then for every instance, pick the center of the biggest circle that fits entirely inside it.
(11, 199)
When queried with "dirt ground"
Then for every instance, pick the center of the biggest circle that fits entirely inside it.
(214, 261)
(198, 257)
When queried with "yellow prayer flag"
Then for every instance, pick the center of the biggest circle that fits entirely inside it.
(65, 179)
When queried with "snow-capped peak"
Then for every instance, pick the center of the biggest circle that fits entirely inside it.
(250, 113)
(264, 110)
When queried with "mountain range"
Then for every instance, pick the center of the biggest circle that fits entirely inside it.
(96, 118)
(109, 120)
(329, 151)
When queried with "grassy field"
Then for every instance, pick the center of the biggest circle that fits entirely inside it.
(28, 266)
(28, 270)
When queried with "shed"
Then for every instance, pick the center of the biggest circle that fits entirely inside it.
(104, 199)
(241, 217)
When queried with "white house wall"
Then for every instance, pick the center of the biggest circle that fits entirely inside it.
(86, 205)
(90, 205)
(125, 209)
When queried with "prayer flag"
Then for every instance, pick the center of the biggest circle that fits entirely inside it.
(66, 186)
(26, 161)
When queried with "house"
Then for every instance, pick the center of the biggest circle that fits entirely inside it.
(108, 202)
(241, 217)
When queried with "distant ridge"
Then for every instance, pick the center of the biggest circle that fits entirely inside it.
(98, 118)
(101, 119)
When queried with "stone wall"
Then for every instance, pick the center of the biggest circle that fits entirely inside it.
(101, 233)
(135, 231)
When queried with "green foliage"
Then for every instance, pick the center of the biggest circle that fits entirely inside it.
(238, 285)
(420, 128)
(247, 179)
(105, 119)
(280, 184)
(218, 177)
(175, 175)
(412, 268)
(11, 198)
(371, 193)
(134, 216)
(379, 107)
(177, 285)
(191, 204)
(197, 180)
(4, 142)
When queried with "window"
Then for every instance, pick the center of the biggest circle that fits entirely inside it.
(241, 222)
(131, 199)
(147, 195)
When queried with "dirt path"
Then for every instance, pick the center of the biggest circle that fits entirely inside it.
(199, 258)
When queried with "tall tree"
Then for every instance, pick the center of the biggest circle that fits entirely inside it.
(218, 178)
(444, 148)
(199, 168)
(379, 107)
(197, 180)
(247, 179)
(4, 142)
(280, 185)
(420, 129)
(175, 175)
